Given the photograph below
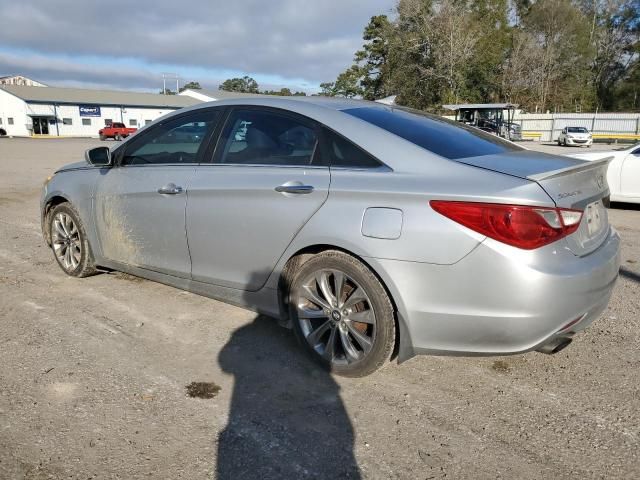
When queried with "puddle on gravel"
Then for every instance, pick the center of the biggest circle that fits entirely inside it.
(127, 277)
(205, 390)
(501, 366)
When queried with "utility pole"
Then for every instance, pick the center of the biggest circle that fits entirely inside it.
(170, 76)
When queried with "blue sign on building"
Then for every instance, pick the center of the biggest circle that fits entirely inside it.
(86, 111)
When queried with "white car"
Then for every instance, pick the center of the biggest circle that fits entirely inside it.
(623, 174)
(575, 136)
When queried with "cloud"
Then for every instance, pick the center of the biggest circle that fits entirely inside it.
(282, 39)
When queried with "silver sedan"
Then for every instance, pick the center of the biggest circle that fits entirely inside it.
(373, 231)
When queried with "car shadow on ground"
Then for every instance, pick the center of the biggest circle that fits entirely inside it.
(286, 417)
(629, 274)
(625, 206)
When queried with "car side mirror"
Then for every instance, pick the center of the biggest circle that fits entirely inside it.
(98, 156)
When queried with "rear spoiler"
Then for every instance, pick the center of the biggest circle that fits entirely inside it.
(588, 165)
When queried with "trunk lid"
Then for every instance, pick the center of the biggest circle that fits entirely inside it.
(570, 182)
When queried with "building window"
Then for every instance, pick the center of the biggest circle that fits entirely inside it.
(86, 122)
(0, 121)
(67, 121)
(147, 122)
(108, 122)
(10, 120)
(133, 122)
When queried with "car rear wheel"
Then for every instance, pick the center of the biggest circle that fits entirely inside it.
(118, 137)
(69, 242)
(342, 314)
(103, 138)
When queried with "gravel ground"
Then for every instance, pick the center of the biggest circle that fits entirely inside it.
(96, 373)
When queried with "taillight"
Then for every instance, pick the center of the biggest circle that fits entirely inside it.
(521, 226)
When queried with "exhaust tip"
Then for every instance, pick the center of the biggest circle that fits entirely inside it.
(556, 345)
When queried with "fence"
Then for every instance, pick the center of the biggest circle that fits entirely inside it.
(547, 127)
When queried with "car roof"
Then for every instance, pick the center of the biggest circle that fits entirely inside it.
(332, 103)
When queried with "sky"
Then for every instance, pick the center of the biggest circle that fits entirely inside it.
(124, 44)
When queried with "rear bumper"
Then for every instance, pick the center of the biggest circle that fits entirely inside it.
(501, 300)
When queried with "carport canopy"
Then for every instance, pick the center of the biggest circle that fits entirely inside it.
(480, 106)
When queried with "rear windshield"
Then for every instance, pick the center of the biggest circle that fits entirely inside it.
(443, 137)
(576, 130)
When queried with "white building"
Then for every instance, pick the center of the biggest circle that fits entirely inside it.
(20, 80)
(27, 111)
(205, 95)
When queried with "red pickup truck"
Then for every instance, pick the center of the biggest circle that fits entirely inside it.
(117, 131)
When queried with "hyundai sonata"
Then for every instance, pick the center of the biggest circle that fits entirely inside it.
(373, 231)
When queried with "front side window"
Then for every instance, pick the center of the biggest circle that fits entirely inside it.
(174, 141)
(443, 137)
(254, 137)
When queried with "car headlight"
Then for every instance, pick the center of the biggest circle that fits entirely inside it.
(569, 136)
(48, 179)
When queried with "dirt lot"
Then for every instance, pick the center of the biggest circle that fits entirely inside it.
(94, 376)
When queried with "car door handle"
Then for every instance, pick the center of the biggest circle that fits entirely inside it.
(296, 188)
(170, 189)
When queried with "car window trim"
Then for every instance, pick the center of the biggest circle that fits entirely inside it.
(118, 154)
(305, 121)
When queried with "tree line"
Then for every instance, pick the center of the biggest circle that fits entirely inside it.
(545, 55)
(245, 84)
(249, 85)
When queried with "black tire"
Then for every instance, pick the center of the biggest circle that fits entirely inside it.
(118, 137)
(382, 332)
(606, 201)
(565, 142)
(85, 264)
(103, 138)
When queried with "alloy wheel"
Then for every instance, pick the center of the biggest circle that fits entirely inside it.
(67, 245)
(336, 316)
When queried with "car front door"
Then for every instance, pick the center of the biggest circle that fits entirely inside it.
(140, 203)
(630, 175)
(262, 186)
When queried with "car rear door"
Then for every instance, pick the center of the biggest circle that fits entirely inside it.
(140, 203)
(245, 206)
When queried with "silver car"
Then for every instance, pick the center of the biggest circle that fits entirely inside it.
(373, 231)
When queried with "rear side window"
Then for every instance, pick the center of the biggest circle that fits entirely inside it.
(256, 137)
(438, 135)
(342, 153)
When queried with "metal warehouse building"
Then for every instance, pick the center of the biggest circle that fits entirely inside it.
(27, 111)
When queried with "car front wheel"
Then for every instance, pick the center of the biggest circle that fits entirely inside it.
(342, 314)
(69, 242)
